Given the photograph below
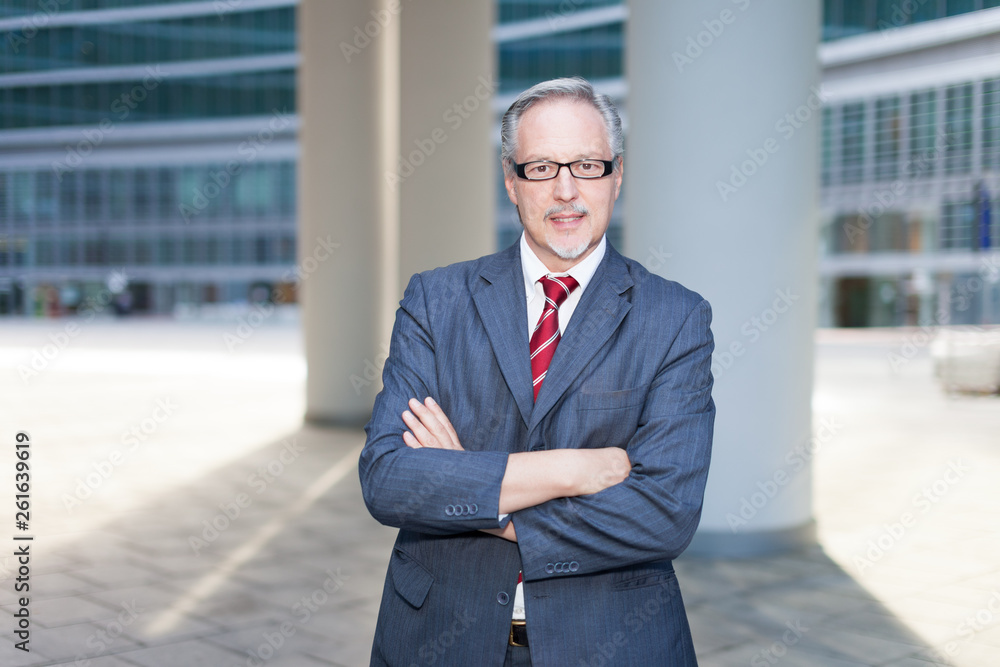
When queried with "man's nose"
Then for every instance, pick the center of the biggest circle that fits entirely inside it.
(565, 185)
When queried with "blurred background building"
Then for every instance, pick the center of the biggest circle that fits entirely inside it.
(148, 150)
(147, 153)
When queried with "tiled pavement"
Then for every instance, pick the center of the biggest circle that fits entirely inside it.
(289, 565)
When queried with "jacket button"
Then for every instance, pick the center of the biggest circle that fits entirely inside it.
(550, 568)
(449, 510)
(503, 598)
(574, 566)
(475, 508)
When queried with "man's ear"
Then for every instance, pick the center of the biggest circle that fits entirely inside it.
(508, 181)
(618, 176)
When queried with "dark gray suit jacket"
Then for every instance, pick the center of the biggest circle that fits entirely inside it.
(632, 370)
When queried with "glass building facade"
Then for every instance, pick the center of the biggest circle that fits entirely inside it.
(147, 154)
(148, 148)
(845, 18)
(910, 231)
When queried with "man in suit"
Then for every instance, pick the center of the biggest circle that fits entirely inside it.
(543, 436)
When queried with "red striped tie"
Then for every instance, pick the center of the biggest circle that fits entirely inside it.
(545, 337)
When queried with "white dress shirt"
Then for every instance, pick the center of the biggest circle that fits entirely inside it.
(534, 269)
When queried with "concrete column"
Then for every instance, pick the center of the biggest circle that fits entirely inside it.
(721, 173)
(376, 79)
(447, 204)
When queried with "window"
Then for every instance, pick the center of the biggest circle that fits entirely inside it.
(23, 196)
(991, 125)
(923, 128)
(826, 164)
(4, 200)
(955, 7)
(45, 252)
(120, 194)
(166, 251)
(143, 197)
(189, 251)
(69, 198)
(46, 197)
(957, 218)
(253, 192)
(958, 129)
(168, 204)
(142, 253)
(852, 143)
(887, 138)
(92, 195)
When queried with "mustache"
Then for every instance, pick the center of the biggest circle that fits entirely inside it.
(567, 208)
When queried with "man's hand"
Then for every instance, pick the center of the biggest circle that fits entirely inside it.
(429, 426)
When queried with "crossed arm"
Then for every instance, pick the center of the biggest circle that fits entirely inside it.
(531, 478)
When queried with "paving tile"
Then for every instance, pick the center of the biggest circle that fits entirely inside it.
(84, 641)
(190, 653)
(58, 612)
(104, 661)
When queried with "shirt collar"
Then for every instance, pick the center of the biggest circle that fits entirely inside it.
(534, 269)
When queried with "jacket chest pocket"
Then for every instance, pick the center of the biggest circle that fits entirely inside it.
(609, 418)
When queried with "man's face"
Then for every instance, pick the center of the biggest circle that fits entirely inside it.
(564, 218)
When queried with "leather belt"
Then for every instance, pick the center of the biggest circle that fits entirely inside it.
(518, 633)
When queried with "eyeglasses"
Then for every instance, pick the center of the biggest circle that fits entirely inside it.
(544, 170)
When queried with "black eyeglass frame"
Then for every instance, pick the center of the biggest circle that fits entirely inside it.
(519, 169)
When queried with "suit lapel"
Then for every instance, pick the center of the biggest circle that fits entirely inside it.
(501, 305)
(597, 316)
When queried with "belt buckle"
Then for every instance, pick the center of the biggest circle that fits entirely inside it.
(520, 624)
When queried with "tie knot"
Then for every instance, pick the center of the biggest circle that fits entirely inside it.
(557, 289)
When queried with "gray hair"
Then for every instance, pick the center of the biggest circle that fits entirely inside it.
(575, 88)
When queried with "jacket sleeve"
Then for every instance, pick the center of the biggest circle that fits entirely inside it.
(653, 513)
(427, 490)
